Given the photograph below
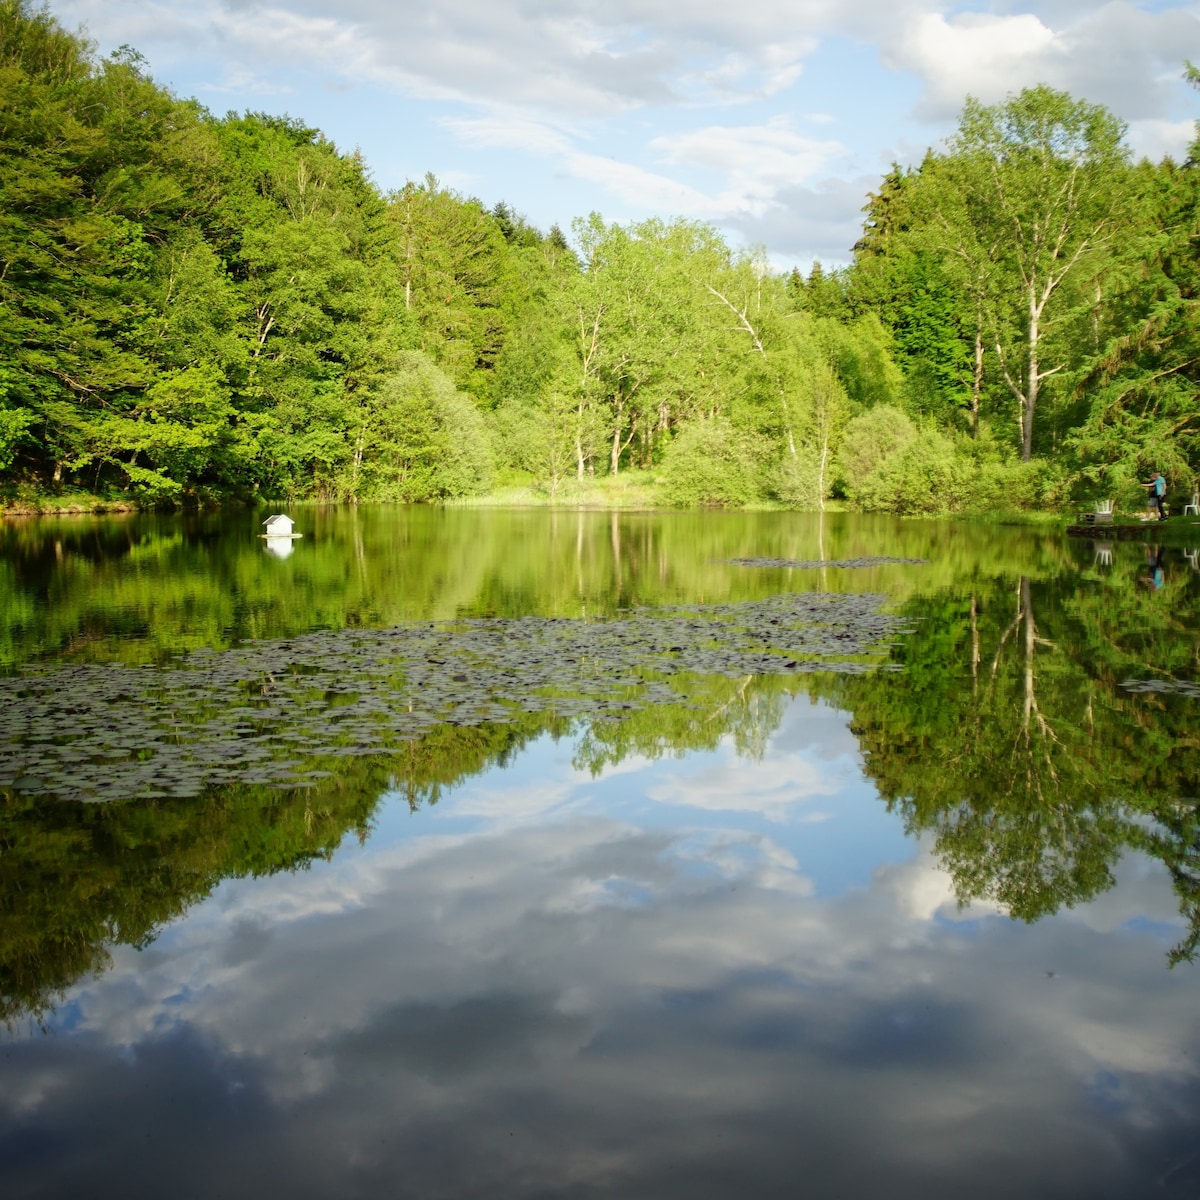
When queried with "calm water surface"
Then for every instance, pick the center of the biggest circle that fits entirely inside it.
(923, 928)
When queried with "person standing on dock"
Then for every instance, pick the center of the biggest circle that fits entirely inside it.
(1157, 494)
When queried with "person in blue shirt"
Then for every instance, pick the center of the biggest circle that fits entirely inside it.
(1157, 494)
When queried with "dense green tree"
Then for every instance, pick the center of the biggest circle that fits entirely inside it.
(423, 439)
(83, 177)
(713, 463)
(1030, 207)
(871, 439)
(1135, 397)
(644, 335)
(452, 269)
(194, 308)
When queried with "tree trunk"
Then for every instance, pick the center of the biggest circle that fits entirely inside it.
(619, 447)
(1031, 390)
(977, 380)
(579, 444)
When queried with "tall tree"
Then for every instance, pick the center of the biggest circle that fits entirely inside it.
(1030, 205)
(451, 263)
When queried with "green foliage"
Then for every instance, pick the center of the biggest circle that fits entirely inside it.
(712, 463)
(426, 440)
(889, 465)
(922, 478)
(196, 308)
(1048, 769)
(862, 354)
(13, 424)
(870, 440)
(799, 481)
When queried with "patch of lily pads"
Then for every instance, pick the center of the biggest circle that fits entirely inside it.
(811, 564)
(262, 712)
(1165, 687)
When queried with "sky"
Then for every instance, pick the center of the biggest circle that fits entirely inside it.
(771, 120)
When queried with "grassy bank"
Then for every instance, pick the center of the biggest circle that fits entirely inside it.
(627, 490)
(33, 504)
(630, 489)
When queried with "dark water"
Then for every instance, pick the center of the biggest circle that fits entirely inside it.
(337, 874)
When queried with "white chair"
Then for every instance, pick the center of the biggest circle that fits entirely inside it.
(1193, 504)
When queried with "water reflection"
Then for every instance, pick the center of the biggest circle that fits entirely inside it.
(580, 997)
(756, 937)
(139, 589)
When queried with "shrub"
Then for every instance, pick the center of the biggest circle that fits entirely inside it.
(1014, 486)
(796, 482)
(712, 463)
(933, 474)
(427, 441)
(925, 477)
(870, 439)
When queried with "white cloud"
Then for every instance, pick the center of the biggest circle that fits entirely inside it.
(756, 161)
(645, 189)
(821, 221)
(975, 53)
(512, 131)
(587, 58)
(739, 78)
(1160, 138)
(1117, 54)
(238, 78)
(753, 162)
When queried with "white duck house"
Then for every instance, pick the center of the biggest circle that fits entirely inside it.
(279, 526)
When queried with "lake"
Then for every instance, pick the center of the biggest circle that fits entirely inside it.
(483, 853)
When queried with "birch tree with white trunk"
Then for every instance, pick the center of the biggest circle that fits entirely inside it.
(1029, 205)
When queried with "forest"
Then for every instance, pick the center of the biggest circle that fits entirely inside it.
(198, 309)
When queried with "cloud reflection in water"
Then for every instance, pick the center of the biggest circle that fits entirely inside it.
(598, 996)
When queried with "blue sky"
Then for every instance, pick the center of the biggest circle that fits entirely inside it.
(771, 120)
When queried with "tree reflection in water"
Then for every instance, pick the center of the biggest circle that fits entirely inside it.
(1007, 734)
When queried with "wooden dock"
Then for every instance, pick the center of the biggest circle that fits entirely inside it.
(1133, 530)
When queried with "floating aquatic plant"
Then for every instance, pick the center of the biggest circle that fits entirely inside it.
(811, 564)
(1171, 687)
(260, 713)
